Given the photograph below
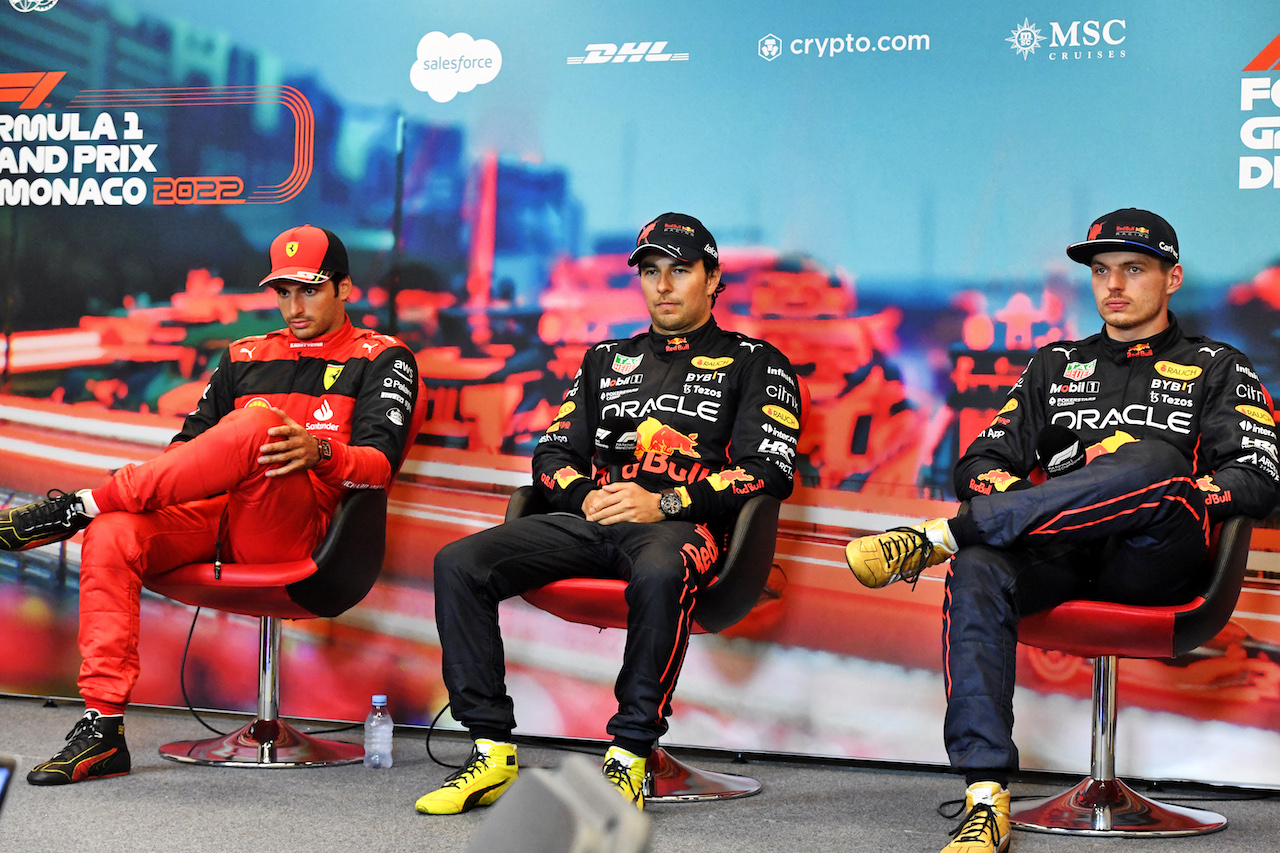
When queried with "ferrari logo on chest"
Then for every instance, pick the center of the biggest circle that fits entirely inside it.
(331, 374)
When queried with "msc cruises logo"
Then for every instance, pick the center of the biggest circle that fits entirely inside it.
(1026, 38)
(33, 5)
(1072, 40)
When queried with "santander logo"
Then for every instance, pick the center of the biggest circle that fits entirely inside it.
(322, 414)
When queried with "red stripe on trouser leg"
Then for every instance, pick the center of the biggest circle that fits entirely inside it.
(269, 519)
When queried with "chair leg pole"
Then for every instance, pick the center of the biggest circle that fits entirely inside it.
(1102, 765)
(1102, 804)
(269, 669)
(265, 741)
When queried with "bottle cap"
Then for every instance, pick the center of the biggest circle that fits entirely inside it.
(379, 698)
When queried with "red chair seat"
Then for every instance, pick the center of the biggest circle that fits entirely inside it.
(590, 601)
(1091, 629)
(250, 589)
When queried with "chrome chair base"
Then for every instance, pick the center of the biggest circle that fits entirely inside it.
(673, 781)
(264, 743)
(1112, 808)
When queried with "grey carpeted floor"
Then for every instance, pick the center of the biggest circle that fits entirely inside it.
(163, 806)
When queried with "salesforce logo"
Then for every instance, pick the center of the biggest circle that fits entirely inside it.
(447, 65)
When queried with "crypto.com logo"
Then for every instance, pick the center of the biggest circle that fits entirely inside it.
(770, 47)
(33, 5)
(649, 51)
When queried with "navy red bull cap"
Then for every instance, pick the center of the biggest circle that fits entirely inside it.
(1129, 228)
(678, 235)
(307, 255)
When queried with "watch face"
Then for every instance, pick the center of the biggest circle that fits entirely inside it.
(670, 503)
(325, 450)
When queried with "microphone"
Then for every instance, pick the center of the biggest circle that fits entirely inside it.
(1059, 451)
(616, 444)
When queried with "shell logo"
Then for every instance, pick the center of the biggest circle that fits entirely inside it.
(781, 415)
(259, 403)
(1184, 372)
(1262, 416)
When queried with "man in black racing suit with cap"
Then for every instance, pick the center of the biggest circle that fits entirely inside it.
(713, 417)
(1147, 436)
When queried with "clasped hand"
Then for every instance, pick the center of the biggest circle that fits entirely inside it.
(621, 502)
(295, 449)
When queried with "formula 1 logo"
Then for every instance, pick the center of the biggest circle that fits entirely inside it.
(28, 89)
(607, 52)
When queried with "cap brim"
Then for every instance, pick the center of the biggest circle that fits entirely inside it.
(297, 276)
(666, 250)
(1083, 252)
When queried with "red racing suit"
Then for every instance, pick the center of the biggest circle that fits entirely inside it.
(352, 387)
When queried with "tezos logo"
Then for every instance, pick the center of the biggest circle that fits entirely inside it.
(1026, 37)
(33, 5)
(649, 51)
(770, 47)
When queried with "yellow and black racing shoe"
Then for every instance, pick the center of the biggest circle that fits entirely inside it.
(56, 517)
(95, 750)
(625, 771)
(486, 776)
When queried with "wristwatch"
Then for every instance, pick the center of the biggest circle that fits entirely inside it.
(670, 504)
(326, 450)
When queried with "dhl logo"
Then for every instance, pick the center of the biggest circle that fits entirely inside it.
(1178, 371)
(653, 436)
(28, 89)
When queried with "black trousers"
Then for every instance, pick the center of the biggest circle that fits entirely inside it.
(662, 563)
(1129, 527)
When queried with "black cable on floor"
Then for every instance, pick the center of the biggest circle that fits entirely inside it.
(182, 677)
(431, 728)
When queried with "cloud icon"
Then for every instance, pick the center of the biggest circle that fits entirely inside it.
(447, 65)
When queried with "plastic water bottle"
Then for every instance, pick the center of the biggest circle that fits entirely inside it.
(378, 729)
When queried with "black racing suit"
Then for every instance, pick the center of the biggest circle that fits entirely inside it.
(717, 419)
(1130, 526)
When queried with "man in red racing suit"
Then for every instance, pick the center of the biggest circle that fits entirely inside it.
(1146, 435)
(289, 421)
(715, 417)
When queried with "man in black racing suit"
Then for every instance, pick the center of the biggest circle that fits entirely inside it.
(1147, 436)
(715, 417)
